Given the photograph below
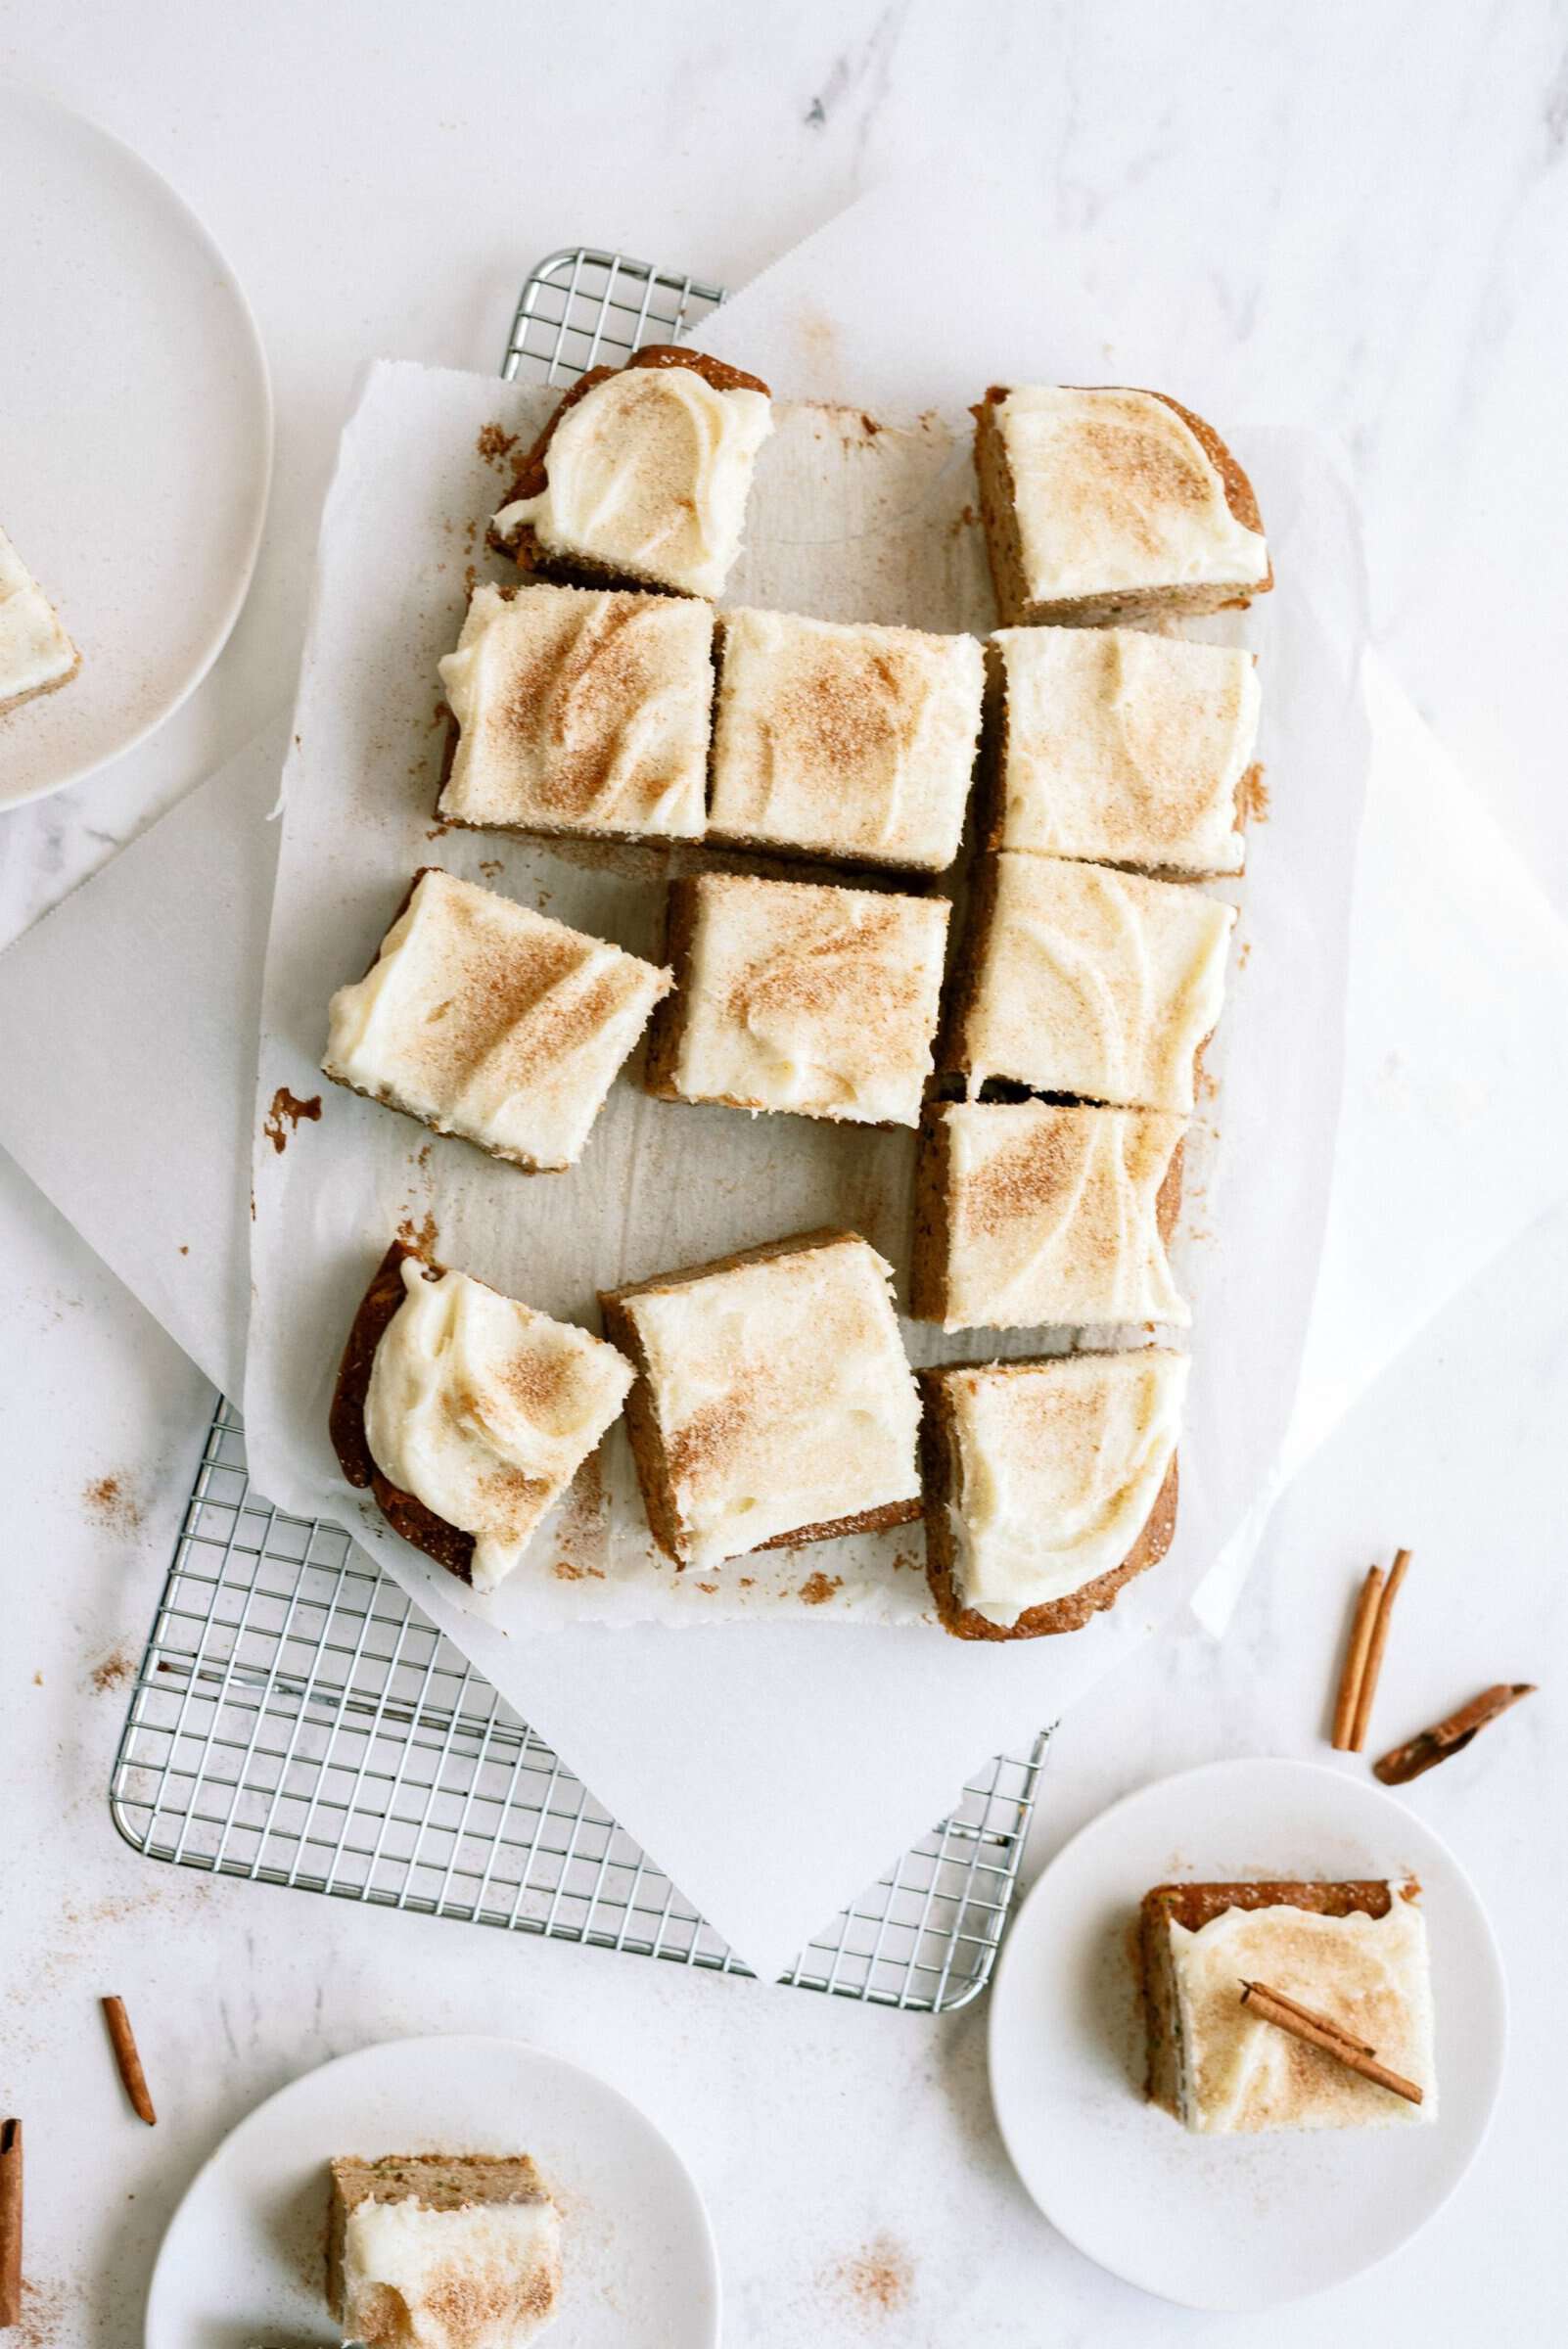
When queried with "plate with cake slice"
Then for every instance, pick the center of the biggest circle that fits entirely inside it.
(461, 2192)
(138, 448)
(1247, 2032)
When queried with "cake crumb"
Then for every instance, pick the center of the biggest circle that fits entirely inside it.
(1244, 954)
(284, 1116)
(879, 2280)
(1255, 797)
(819, 1586)
(495, 443)
(112, 1502)
(421, 1237)
(113, 1672)
(490, 866)
(436, 830)
(185, 1248)
(441, 715)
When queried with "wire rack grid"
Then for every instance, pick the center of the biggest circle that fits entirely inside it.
(295, 1720)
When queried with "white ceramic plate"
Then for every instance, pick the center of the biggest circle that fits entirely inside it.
(1228, 2222)
(242, 2260)
(135, 436)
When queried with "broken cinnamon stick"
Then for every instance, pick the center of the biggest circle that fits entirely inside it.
(1350, 1680)
(1375, 1650)
(1322, 2031)
(123, 2041)
(1431, 1746)
(10, 2224)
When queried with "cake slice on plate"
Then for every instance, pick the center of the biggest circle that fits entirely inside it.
(1105, 503)
(640, 478)
(441, 2251)
(1351, 1953)
(36, 656)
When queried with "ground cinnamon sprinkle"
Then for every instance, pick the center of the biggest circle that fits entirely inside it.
(112, 1500)
(880, 2279)
(820, 1587)
(285, 1115)
(1255, 797)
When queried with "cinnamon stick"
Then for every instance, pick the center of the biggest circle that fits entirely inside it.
(1322, 2031)
(1374, 1653)
(1446, 1737)
(123, 2041)
(1350, 1680)
(10, 2224)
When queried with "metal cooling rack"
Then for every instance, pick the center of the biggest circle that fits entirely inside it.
(296, 1721)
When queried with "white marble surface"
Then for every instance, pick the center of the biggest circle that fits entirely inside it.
(1371, 203)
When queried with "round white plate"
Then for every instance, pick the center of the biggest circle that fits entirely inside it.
(1242, 2222)
(137, 435)
(242, 2260)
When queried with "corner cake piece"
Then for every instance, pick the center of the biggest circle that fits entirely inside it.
(36, 656)
(1125, 747)
(580, 711)
(1049, 1486)
(1089, 982)
(1354, 1953)
(792, 995)
(844, 740)
(1028, 1214)
(774, 1403)
(441, 2251)
(640, 478)
(485, 1020)
(1101, 502)
(465, 1414)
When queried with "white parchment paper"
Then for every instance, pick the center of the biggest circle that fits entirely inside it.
(844, 1718)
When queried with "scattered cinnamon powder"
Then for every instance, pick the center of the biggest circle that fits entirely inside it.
(44, 2310)
(112, 1500)
(283, 1118)
(495, 444)
(819, 1586)
(1254, 795)
(878, 2280)
(421, 1237)
(113, 1672)
(566, 1571)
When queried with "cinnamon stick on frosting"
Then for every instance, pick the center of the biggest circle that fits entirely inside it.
(1450, 1736)
(1322, 2031)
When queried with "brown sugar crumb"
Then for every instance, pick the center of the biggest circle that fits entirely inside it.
(113, 1672)
(1254, 794)
(283, 1118)
(817, 1589)
(112, 1502)
(879, 2280)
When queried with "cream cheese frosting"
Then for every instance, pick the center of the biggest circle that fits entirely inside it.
(1370, 1973)
(487, 1020)
(1052, 1215)
(481, 2277)
(848, 739)
(1113, 490)
(1058, 1467)
(36, 653)
(484, 1410)
(1125, 746)
(648, 475)
(783, 1395)
(811, 998)
(1096, 983)
(580, 709)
